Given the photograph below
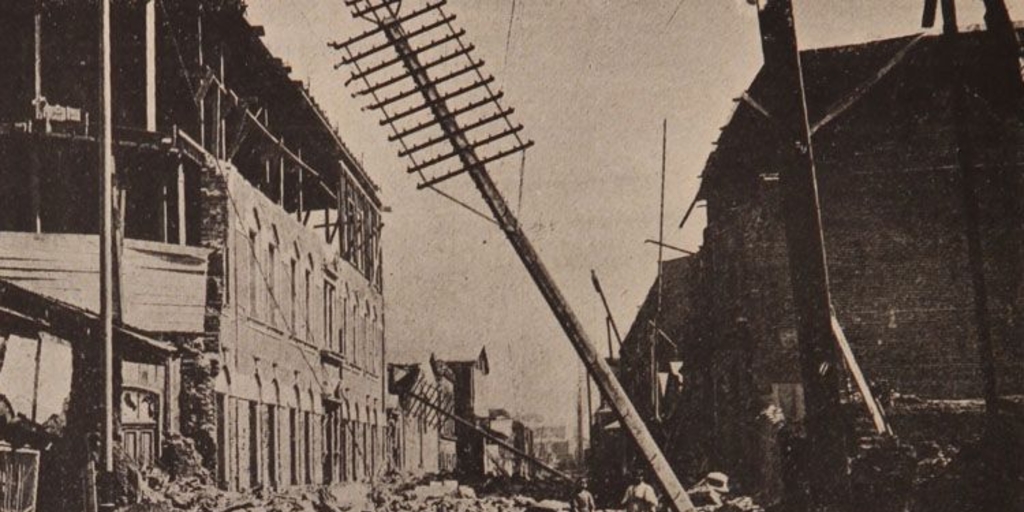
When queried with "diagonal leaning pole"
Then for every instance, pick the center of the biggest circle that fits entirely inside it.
(475, 166)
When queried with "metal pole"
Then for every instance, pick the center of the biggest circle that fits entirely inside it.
(106, 169)
(603, 376)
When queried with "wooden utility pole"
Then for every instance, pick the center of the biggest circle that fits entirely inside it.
(453, 133)
(824, 458)
(475, 167)
(106, 171)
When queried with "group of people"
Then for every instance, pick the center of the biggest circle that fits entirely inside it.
(639, 497)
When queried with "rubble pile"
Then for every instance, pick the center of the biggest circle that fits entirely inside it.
(158, 492)
(712, 494)
(449, 496)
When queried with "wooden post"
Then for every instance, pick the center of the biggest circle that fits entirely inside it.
(267, 185)
(38, 54)
(218, 114)
(150, 37)
(34, 165)
(106, 172)
(182, 227)
(35, 378)
(202, 62)
(302, 203)
(825, 458)
(280, 178)
(165, 228)
(35, 189)
(342, 212)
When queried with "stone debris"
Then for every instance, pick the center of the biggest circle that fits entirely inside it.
(711, 494)
(160, 492)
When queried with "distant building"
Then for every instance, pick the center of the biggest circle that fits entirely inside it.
(466, 378)
(501, 461)
(552, 445)
(415, 430)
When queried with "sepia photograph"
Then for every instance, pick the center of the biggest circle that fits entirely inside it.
(511, 256)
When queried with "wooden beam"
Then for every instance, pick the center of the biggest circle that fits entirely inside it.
(35, 188)
(38, 58)
(874, 409)
(280, 181)
(150, 39)
(182, 225)
(302, 202)
(106, 172)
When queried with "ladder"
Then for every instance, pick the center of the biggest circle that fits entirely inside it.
(425, 89)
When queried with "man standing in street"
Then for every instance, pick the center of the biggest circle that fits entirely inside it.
(582, 500)
(640, 497)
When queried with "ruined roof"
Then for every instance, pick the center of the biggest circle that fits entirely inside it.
(314, 114)
(861, 99)
(24, 309)
(442, 368)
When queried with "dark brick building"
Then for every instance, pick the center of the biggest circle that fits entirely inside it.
(890, 144)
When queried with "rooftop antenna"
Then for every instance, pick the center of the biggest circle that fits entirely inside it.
(430, 89)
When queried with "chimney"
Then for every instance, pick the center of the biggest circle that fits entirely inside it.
(778, 39)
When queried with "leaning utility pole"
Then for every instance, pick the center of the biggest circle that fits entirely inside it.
(824, 459)
(449, 130)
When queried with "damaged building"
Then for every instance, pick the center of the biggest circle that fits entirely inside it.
(897, 124)
(247, 241)
(464, 377)
(421, 440)
(440, 424)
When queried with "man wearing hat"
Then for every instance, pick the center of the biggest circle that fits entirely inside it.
(640, 497)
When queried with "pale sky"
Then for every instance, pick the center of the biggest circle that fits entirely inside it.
(591, 81)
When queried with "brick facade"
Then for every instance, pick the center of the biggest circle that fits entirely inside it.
(894, 219)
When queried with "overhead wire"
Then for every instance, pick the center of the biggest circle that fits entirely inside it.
(508, 33)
